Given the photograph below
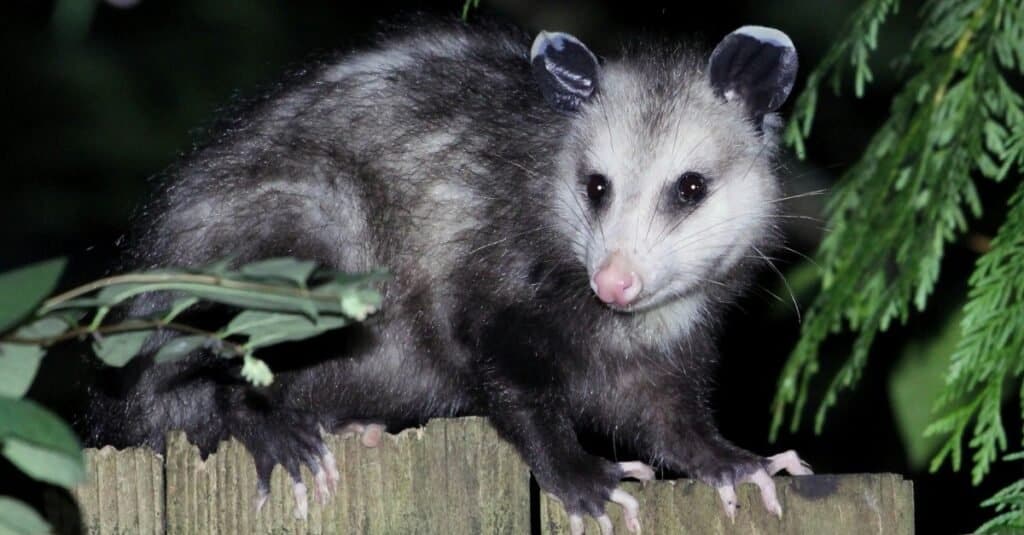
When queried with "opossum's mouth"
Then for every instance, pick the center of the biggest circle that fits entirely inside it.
(650, 302)
(640, 305)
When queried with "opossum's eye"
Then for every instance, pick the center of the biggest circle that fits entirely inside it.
(597, 188)
(691, 188)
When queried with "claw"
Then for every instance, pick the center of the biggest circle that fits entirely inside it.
(261, 499)
(630, 509)
(331, 468)
(575, 525)
(728, 495)
(790, 462)
(301, 503)
(606, 525)
(322, 489)
(637, 470)
(767, 486)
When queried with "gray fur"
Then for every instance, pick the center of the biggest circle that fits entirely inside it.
(433, 155)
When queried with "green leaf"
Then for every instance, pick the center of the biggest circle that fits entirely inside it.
(118, 349)
(286, 268)
(239, 297)
(18, 366)
(21, 290)
(17, 518)
(43, 464)
(180, 347)
(916, 380)
(220, 267)
(265, 301)
(267, 328)
(73, 304)
(256, 371)
(20, 362)
(180, 305)
(40, 443)
(47, 327)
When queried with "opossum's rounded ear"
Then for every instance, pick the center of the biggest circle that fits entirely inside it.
(565, 69)
(757, 65)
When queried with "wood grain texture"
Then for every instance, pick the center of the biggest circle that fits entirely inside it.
(453, 477)
(855, 504)
(123, 492)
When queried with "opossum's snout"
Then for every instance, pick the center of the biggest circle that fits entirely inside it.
(616, 281)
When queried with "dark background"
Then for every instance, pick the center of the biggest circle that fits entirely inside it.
(96, 99)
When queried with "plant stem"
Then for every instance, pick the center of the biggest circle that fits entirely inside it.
(126, 326)
(150, 278)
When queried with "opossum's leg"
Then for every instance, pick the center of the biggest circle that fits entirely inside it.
(582, 482)
(692, 444)
(276, 435)
(523, 401)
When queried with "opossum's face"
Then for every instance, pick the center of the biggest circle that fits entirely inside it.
(667, 182)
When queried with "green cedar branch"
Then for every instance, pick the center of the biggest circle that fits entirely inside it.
(893, 212)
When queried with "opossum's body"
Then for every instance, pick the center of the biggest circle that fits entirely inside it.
(448, 158)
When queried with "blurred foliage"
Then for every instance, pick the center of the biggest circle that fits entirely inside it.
(918, 378)
(16, 518)
(958, 120)
(280, 299)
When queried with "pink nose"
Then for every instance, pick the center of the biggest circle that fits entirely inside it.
(616, 281)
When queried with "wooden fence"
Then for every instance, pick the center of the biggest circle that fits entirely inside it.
(453, 477)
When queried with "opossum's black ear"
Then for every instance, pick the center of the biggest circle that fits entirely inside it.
(757, 65)
(565, 69)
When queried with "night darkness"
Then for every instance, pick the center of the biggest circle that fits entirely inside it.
(95, 105)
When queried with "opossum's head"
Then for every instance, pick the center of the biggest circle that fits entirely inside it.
(666, 181)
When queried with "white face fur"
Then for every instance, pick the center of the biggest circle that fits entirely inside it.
(642, 143)
(666, 181)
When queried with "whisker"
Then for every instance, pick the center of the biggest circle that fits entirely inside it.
(801, 255)
(792, 296)
(506, 238)
(812, 193)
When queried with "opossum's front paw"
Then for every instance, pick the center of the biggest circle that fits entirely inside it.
(584, 489)
(758, 471)
(291, 439)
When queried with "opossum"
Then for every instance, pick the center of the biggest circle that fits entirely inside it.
(564, 233)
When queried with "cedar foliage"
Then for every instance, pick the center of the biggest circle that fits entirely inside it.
(957, 121)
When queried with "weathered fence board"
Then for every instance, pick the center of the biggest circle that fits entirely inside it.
(858, 504)
(124, 492)
(453, 477)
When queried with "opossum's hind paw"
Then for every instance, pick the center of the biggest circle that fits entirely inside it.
(762, 477)
(630, 507)
(325, 477)
(290, 439)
